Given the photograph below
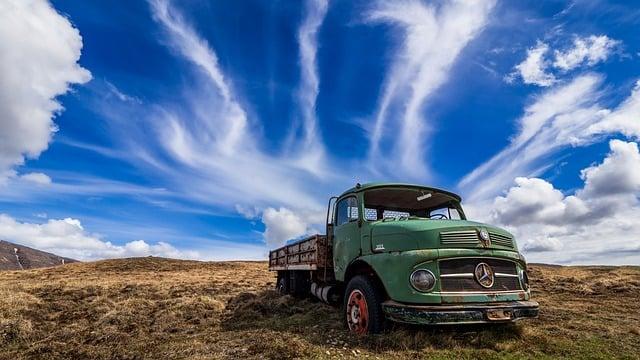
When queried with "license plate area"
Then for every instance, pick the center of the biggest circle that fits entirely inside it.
(499, 314)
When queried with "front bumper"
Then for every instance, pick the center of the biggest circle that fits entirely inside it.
(460, 313)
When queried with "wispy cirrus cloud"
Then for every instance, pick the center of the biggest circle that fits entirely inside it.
(231, 125)
(557, 118)
(433, 37)
(309, 148)
(210, 138)
(564, 116)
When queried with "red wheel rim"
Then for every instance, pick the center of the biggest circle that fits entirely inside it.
(357, 313)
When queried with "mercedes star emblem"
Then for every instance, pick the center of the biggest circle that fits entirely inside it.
(484, 275)
(484, 236)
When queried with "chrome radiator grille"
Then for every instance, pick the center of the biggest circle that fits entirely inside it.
(501, 240)
(470, 238)
(471, 285)
(463, 237)
(457, 275)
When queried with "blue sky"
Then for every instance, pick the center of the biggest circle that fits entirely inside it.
(215, 130)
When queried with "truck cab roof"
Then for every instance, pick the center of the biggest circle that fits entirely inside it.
(369, 186)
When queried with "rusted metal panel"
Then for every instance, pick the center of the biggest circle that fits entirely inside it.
(310, 253)
(461, 313)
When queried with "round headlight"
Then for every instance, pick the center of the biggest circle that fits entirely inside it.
(524, 279)
(422, 280)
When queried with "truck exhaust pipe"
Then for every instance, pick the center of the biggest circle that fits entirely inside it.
(325, 293)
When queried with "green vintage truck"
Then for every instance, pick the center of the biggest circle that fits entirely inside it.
(407, 253)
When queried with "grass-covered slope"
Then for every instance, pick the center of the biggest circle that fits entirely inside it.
(28, 258)
(159, 308)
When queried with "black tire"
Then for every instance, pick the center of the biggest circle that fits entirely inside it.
(362, 288)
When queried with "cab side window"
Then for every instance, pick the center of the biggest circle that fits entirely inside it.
(346, 211)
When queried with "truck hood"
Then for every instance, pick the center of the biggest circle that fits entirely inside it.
(413, 234)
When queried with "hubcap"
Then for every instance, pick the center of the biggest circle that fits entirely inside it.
(357, 313)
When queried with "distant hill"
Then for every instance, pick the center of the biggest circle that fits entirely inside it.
(28, 258)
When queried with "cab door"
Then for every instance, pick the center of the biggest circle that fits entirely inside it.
(346, 234)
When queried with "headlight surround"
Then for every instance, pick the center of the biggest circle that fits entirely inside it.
(524, 279)
(422, 280)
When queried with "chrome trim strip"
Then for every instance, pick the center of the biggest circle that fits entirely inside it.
(459, 232)
(506, 292)
(505, 275)
(479, 257)
(500, 235)
(458, 275)
(470, 275)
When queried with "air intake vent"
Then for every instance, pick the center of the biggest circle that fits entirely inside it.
(462, 238)
(501, 240)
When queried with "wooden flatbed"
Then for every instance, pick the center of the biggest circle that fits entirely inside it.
(311, 253)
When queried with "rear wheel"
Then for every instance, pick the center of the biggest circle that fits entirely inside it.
(363, 307)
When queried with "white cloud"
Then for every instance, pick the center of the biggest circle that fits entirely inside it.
(433, 39)
(597, 224)
(537, 68)
(592, 50)
(282, 225)
(67, 237)
(532, 200)
(39, 50)
(37, 178)
(533, 69)
(619, 173)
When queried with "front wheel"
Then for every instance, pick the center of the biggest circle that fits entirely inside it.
(363, 307)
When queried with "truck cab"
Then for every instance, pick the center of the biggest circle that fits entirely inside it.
(408, 253)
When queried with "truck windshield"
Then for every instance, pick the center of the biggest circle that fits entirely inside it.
(387, 203)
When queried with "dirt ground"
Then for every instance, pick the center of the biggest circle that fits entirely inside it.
(151, 308)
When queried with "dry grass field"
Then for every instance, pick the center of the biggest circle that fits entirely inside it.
(157, 308)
